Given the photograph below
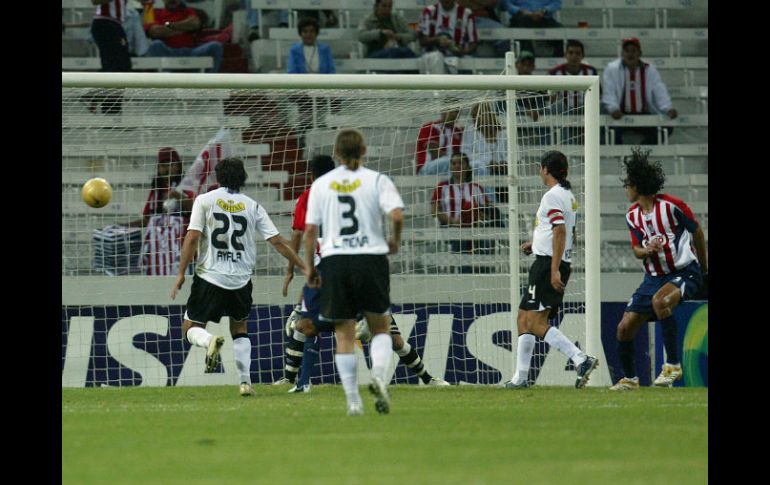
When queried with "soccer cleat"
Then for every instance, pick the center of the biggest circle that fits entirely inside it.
(380, 392)
(247, 390)
(296, 389)
(291, 322)
(282, 381)
(437, 381)
(355, 409)
(668, 374)
(626, 384)
(512, 385)
(584, 370)
(212, 354)
(362, 331)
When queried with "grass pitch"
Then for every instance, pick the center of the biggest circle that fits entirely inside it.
(457, 435)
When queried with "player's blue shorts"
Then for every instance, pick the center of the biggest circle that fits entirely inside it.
(311, 308)
(688, 279)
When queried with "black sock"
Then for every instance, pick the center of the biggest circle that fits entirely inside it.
(293, 358)
(413, 362)
(626, 353)
(669, 339)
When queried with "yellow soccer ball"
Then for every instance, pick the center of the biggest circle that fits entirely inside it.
(97, 192)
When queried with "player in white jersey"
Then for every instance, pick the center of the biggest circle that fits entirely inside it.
(222, 229)
(661, 227)
(349, 203)
(549, 274)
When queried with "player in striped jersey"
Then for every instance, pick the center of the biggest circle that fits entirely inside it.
(222, 229)
(663, 231)
(349, 203)
(552, 244)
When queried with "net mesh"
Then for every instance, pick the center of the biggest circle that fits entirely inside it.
(450, 284)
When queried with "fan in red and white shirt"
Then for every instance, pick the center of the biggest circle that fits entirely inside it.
(436, 143)
(572, 100)
(456, 202)
(449, 28)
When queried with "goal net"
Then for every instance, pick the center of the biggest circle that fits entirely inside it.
(456, 282)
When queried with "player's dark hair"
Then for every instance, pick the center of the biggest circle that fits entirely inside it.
(320, 164)
(465, 164)
(556, 164)
(349, 146)
(308, 21)
(576, 43)
(231, 173)
(645, 176)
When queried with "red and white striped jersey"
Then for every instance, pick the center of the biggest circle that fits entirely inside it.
(634, 93)
(459, 23)
(112, 10)
(670, 222)
(298, 224)
(558, 206)
(162, 246)
(460, 200)
(572, 99)
(200, 177)
(449, 140)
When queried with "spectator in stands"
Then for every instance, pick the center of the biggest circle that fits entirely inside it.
(437, 142)
(460, 202)
(485, 142)
(172, 31)
(447, 32)
(164, 231)
(534, 14)
(309, 55)
(110, 37)
(530, 103)
(571, 102)
(386, 35)
(630, 86)
(486, 15)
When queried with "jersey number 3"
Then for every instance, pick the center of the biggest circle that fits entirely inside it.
(350, 214)
(234, 242)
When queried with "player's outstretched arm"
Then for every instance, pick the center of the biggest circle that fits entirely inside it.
(188, 251)
(282, 246)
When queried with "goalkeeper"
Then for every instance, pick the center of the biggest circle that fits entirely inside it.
(303, 325)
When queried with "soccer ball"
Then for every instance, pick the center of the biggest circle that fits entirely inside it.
(97, 192)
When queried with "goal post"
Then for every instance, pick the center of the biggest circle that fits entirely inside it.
(455, 289)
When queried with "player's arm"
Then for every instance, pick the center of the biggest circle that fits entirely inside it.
(282, 246)
(188, 251)
(559, 243)
(294, 243)
(397, 224)
(311, 235)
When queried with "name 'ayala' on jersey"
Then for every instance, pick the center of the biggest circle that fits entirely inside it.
(558, 206)
(355, 201)
(227, 250)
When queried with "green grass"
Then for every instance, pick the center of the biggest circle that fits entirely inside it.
(457, 435)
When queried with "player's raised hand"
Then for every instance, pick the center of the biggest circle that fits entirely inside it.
(177, 285)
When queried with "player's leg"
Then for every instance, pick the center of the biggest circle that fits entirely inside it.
(242, 350)
(409, 357)
(627, 328)
(204, 305)
(381, 351)
(295, 349)
(524, 348)
(345, 358)
(311, 307)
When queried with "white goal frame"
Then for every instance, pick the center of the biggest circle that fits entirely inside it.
(510, 83)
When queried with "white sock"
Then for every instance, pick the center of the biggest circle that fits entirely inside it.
(346, 366)
(403, 351)
(524, 349)
(242, 348)
(555, 338)
(299, 336)
(199, 336)
(381, 350)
